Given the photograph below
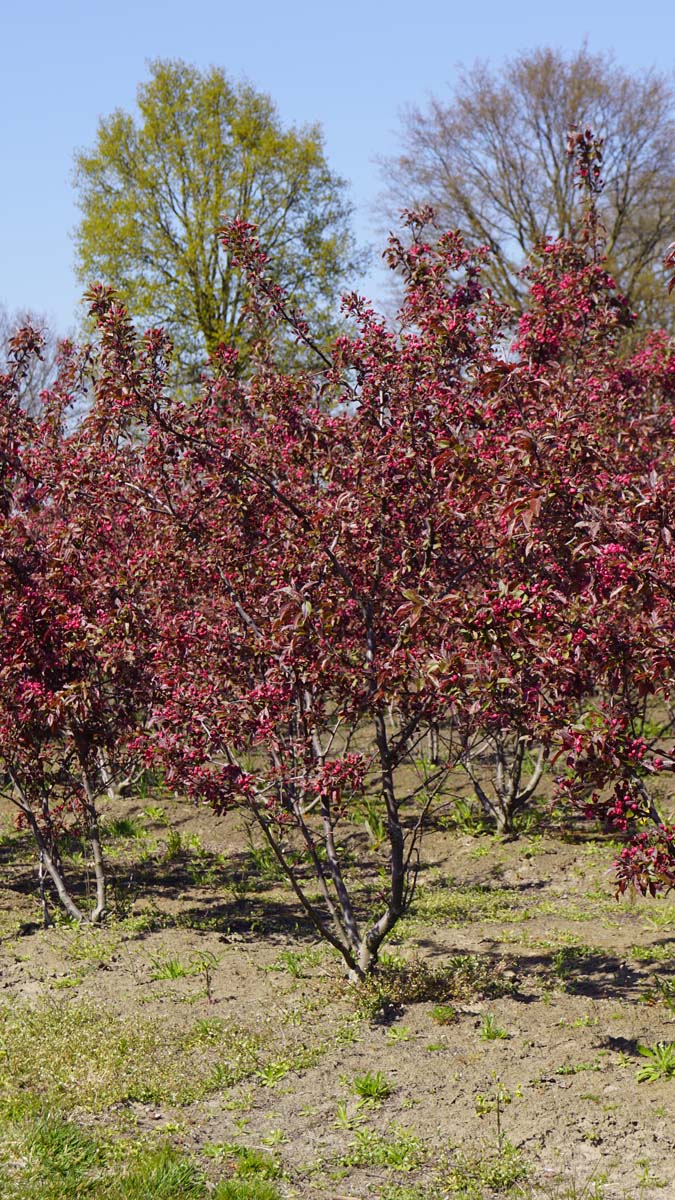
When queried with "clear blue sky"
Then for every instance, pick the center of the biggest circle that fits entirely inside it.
(350, 66)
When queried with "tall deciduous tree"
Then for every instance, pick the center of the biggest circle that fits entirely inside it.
(155, 187)
(491, 160)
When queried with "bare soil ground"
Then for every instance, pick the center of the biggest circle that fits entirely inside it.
(206, 1016)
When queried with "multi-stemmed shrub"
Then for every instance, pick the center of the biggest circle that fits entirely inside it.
(277, 588)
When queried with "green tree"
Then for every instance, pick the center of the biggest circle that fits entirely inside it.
(154, 190)
(491, 159)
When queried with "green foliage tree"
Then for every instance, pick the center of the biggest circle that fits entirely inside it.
(155, 188)
(491, 159)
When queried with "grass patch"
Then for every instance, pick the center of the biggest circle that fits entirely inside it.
(246, 1189)
(569, 962)
(92, 947)
(78, 1053)
(462, 904)
(245, 1162)
(401, 1152)
(476, 1176)
(654, 954)
(53, 1158)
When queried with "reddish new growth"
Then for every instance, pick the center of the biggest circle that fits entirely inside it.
(285, 590)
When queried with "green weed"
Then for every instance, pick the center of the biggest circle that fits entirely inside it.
(660, 1062)
(174, 845)
(568, 960)
(398, 983)
(652, 953)
(490, 1031)
(402, 1151)
(346, 1120)
(444, 1014)
(157, 815)
(168, 968)
(461, 904)
(576, 1068)
(123, 827)
(660, 916)
(476, 1176)
(247, 1162)
(273, 1072)
(493, 1102)
(467, 817)
(92, 946)
(371, 1086)
(207, 1031)
(246, 1189)
(398, 1033)
(666, 991)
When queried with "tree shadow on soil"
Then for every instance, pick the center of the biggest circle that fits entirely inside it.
(576, 970)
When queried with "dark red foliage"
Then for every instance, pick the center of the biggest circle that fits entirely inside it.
(295, 577)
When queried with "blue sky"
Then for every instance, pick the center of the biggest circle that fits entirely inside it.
(351, 67)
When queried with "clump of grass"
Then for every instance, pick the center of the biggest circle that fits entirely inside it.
(58, 1158)
(247, 1162)
(173, 968)
(397, 983)
(466, 817)
(206, 1031)
(168, 968)
(252, 1172)
(53, 1158)
(650, 954)
(475, 1176)
(490, 1031)
(400, 1191)
(372, 1086)
(297, 962)
(568, 962)
(165, 1174)
(444, 1014)
(402, 1151)
(124, 827)
(91, 946)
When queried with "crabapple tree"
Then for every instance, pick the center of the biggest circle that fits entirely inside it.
(73, 678)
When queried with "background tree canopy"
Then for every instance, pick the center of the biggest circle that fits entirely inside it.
(40, 370)
(154, 190)
(491, 160)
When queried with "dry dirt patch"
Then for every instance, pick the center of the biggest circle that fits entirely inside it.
(206, 1014)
